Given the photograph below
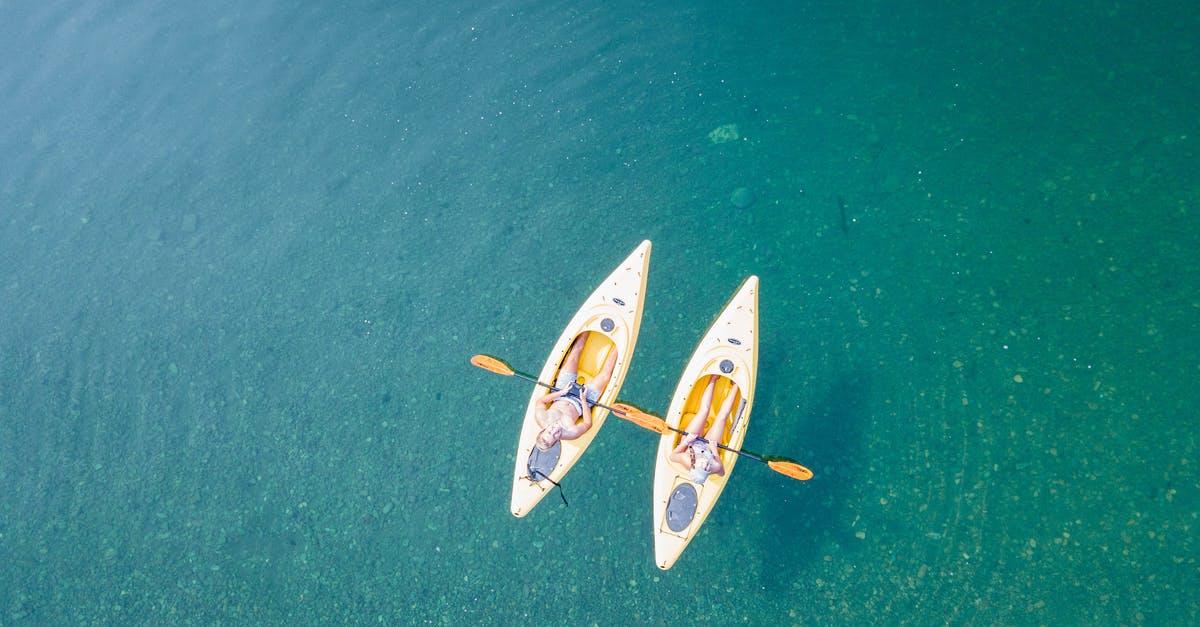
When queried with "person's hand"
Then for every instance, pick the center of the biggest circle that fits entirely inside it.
(691, 437)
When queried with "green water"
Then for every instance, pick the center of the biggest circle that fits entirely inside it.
(247, 249)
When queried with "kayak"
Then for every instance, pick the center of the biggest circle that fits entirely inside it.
(729, 350)
(613, 314)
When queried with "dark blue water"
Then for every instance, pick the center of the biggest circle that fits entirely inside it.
(247, 250)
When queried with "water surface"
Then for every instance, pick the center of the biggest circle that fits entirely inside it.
(247, 251)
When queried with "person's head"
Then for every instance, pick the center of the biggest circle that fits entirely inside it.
(548, 437)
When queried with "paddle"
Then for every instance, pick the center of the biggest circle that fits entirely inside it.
(488, 362)
(781, 465)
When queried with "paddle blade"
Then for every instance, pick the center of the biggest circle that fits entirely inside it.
(791, 469)
(641, 418)
(488, 362)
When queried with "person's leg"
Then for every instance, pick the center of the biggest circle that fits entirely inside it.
(717, 431)
(697, 424)
(568, 374)
(600, 381)
(571, 364)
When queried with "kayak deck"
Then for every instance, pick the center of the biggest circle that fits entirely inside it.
(729, 350)
(613, 314)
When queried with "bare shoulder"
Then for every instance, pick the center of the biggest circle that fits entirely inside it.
(577, 429)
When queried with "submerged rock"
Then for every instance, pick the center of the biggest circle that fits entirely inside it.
(724, 133)
(742, 198)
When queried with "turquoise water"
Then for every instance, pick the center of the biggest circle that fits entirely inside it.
(247, 249)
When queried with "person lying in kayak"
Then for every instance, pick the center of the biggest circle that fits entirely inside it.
(558, 412)
(700, 457)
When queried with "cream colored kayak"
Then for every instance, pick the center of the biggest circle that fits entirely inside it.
(729, 350)
(613, 313)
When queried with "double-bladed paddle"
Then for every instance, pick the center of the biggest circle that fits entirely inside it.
(781, 465)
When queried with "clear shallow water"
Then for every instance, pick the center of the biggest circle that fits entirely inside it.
(247, 252)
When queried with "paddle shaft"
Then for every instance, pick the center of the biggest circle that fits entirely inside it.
(719, 445)
(522, 375)
(654, 423)
(618, 412)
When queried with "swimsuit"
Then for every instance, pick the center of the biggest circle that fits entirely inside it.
(567, 380)
(699, 450)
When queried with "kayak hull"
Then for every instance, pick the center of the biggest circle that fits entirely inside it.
(730, 350)
(613, 313)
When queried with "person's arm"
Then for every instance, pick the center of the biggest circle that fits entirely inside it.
(715, 465)
(684, 442)
(539, 414)
(585, 404)
(539, 410)
(574, 431)
(553, 396)
(586, 423)
(677, 455)
(581, 427)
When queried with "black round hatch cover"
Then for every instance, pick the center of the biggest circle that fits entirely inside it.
(681, 507)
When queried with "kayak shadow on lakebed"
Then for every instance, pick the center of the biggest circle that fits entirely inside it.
(802, 524)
